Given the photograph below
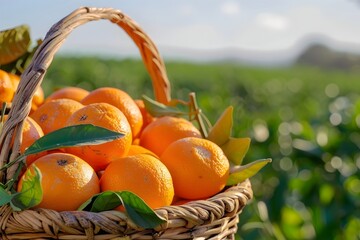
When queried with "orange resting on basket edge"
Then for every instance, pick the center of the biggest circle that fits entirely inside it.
(163, 159)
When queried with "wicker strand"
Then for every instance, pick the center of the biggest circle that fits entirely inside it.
(183, 221)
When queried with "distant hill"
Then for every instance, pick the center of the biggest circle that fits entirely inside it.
(315, 51)
(321, 56)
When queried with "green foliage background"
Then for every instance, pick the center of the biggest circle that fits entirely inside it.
(306, 119)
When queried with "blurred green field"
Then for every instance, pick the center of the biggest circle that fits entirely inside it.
(306, 119)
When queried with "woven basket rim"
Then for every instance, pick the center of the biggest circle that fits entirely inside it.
(219, 213)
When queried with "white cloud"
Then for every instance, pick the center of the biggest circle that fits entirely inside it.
(272, 21)
(230, 8)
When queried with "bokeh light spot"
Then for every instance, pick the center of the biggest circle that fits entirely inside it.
(335, 119)
(284, 128)
(286, 164)
(305, 174)
(261, 131)
(336, 162)
(353, 185)
(322, 138)
(332, 90)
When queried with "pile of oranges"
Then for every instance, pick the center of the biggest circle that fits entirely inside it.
(164, 160)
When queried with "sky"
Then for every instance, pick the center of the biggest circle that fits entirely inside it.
(188, 28)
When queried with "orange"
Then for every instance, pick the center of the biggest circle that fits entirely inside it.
(15, 79)
(7, 89)
(165, 130)
(67, 181)
(199, 167)
(122, 101)
(30, 133)
(106, 116)
(74, 93)
(147, 118)
(38, 97)
(53, 115)
(136, 149)
(142, 174)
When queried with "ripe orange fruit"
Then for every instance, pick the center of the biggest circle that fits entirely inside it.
(142, 174)
(122, 101)
(136, 149)
(107, 116)
(30, 133)
(74, 93)
(54, 114)
(199, 167)
(15, 80)
(7, 89)
(38, 97)
(147, 118)
(67, 181)
(158, 135)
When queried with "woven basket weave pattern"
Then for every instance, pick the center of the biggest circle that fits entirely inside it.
(214, 218)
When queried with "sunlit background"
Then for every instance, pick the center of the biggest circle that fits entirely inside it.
(261, 31)
(291, 68)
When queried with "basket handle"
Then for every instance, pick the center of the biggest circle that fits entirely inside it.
(32, 77)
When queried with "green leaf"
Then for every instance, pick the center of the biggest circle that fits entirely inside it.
(138, 211)
(157, 109)
(20, 64)
(239, 173)
(5, 196)
(31, 191)
(104, 201)
(235, 149)
(221, 131)
(14, 43)
(77, 135)
(15, 207)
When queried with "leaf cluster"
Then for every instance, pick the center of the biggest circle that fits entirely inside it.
(16, 51)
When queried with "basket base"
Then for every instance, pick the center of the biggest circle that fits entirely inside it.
(214, 218)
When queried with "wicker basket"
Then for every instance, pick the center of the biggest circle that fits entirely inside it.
(214, 218)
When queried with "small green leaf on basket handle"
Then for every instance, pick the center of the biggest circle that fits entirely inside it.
(31, 191)
(158, 109)
(221, 131)
(138, 211)
(77, 135)
(235, 149)
(239, 173)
